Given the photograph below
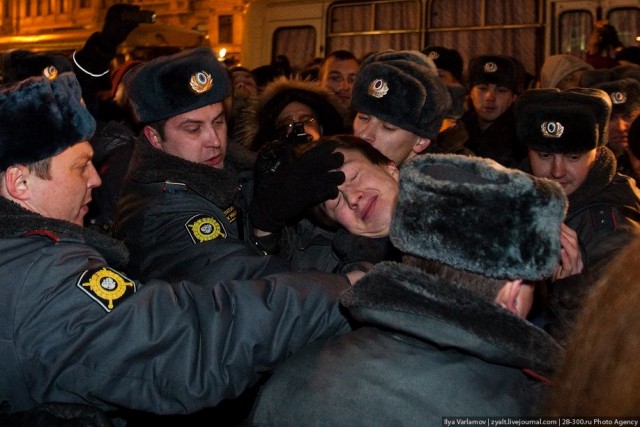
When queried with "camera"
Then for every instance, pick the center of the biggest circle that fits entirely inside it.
(139, 16)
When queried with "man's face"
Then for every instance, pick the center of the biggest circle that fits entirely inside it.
(199, 136)
(395, 143)
(367, 198)
(338, 76)
(619, 131)
(568, 170)
(298, 112)
(571, 81)
(490, 101)
(67, 194)
(447, 76)
(244, 83)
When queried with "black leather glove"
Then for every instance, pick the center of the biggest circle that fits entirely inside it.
(116, 28)
(294, 186)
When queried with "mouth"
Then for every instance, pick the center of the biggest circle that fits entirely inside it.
(369, 208)
(213, 161)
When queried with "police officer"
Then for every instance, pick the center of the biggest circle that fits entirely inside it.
(76, 329)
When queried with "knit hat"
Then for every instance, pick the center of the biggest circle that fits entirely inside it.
(446, 59)
(572, 121)
(500, 70)
(41, 118)
(20, 64)
(507, 222)
(624, 94)
(174, 84)
(404, 89)
(557, 67)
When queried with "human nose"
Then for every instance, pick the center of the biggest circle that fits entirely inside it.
(352, 197)
(214, 138)
(367, 132)
(94, 178)
(558, 168)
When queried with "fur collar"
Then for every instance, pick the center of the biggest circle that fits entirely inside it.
(150, 165)
(15, 221)
(403, 298)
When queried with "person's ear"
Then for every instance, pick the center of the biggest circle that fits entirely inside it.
(16, 182)
(152, 136)
(393, 170)
(421, 145)
(508, 296)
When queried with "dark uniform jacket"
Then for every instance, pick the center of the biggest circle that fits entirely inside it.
(605, 213)
(73, 329)
(181, 219)
(498, 142)
(425, 349)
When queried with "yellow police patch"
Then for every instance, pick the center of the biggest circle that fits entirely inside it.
(231, 213)
(203, 228)
(106, 286)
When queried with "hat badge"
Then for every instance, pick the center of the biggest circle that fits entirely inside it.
(618, 97)
(434, 55)
(552, 129)
(378, 88)
(490, 67)
(201, 82)
(50, 72)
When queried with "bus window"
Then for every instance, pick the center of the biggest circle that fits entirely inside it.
(627, 21)
(475, 27)
(298, 44)
(373, 26)
(573, 31)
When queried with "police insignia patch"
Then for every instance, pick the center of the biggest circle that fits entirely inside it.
(203, 228)
(106, 286)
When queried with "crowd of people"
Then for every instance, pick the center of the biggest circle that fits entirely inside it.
(385, 240)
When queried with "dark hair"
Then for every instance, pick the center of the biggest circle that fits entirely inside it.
(339, 55)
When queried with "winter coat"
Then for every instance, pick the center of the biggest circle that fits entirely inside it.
(75, 329)
(498, 142)
(423, 349)
(605, 213)
(182, 220)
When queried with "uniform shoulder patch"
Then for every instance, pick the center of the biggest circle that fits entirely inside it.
(106, 286)
(202, 228)
(602, 218)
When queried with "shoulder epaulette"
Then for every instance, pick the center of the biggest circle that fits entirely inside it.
(602, 218)
(42, 232)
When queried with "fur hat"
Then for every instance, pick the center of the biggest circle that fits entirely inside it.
(41, 118)
(277, 95)
(20, 64)
(458, 99)
(624, 94)
(174, 84)
(404, 89)
(501, 70)
(446, 59)
(473, 214)
(557, 67)
(571, 121)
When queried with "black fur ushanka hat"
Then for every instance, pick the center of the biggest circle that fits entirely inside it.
(174, 84)
(473, 214)
(20, 64)
(41, 117)
(624, 94)
(404, 89)
(572, 121)
(501, 70)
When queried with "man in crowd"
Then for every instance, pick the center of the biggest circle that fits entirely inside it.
(566, 135)
(443, 333)
(494, 83)
(78, 330)
(338, 72)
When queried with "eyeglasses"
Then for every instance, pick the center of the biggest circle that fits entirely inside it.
(286, 127)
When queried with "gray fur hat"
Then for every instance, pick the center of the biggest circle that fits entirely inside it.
(41, 117)
(174, 84)
(572, 121)
(501, 70)
(473, 214)
(404, 89)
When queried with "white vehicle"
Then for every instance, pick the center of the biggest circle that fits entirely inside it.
(527, 29)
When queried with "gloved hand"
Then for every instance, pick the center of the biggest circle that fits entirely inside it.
(116, 28)
(295, 186)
